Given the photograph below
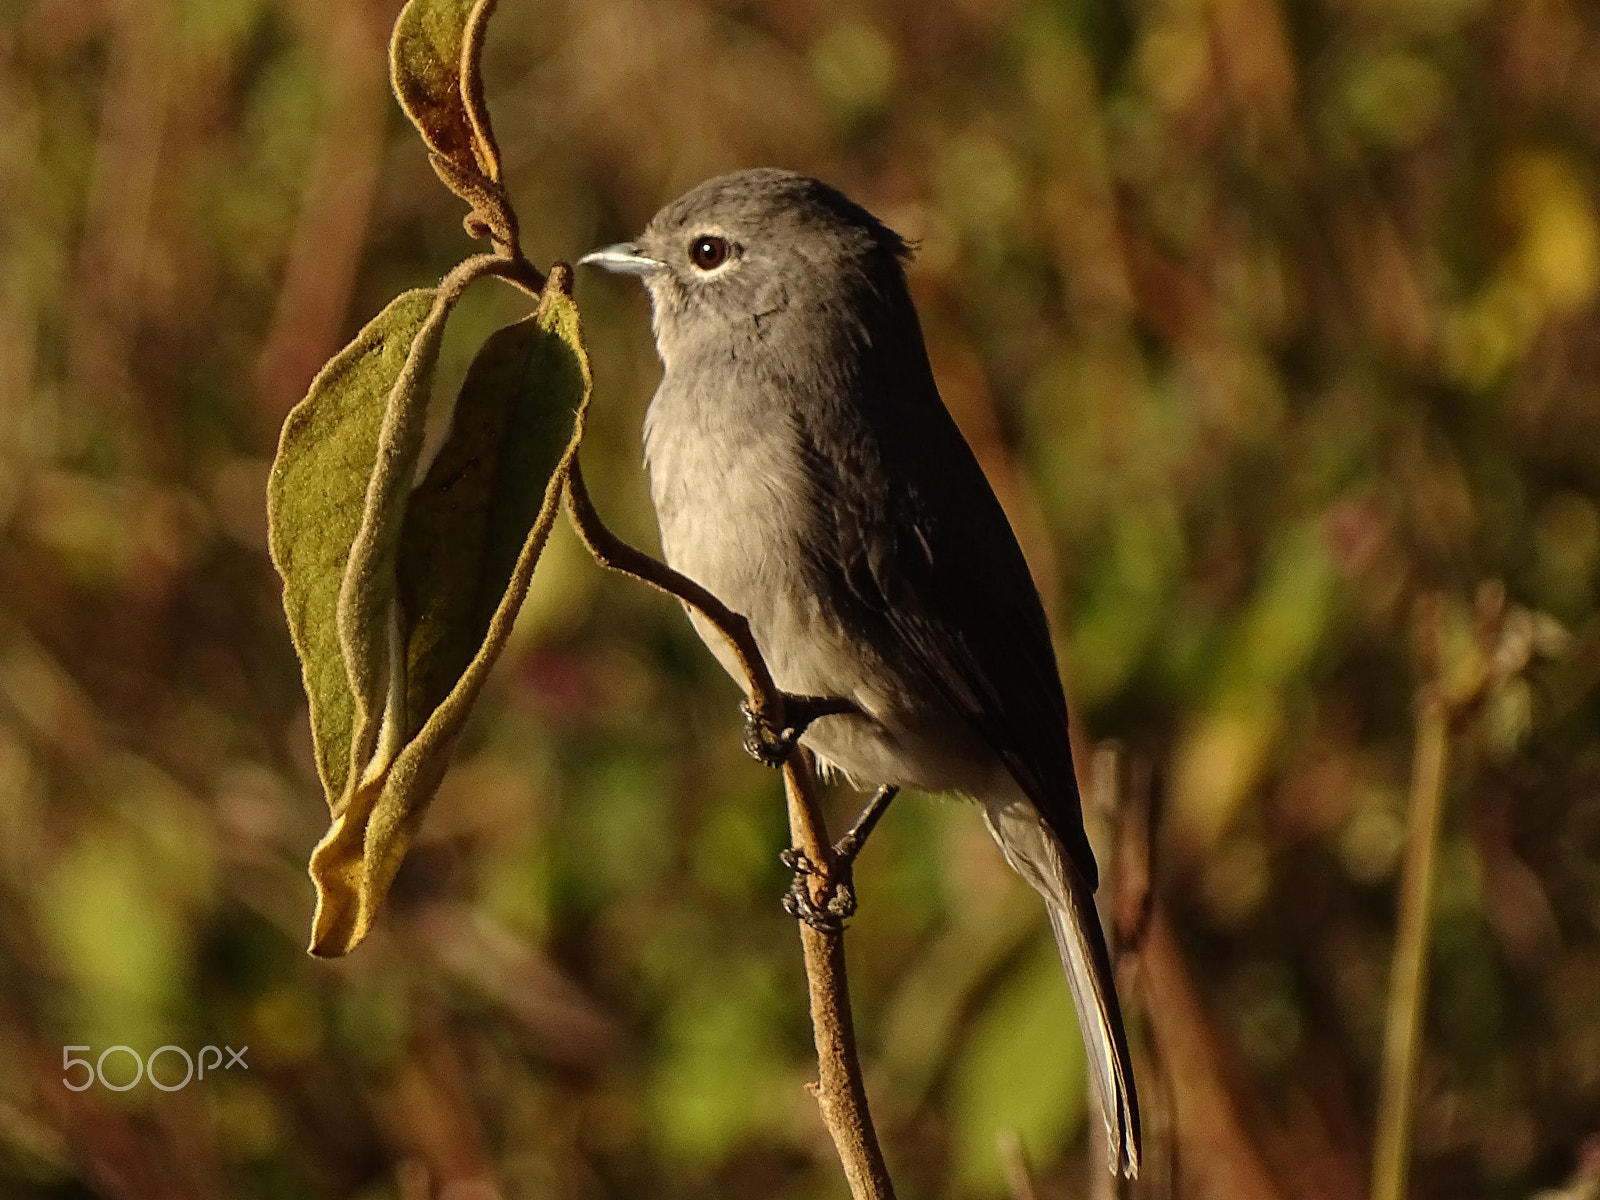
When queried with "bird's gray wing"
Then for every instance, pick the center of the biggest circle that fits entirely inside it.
(928, 556)
(908, 534)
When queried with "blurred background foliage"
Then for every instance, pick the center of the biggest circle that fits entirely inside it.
(1269, 319)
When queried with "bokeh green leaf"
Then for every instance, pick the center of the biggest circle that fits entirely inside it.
(1022, 1069)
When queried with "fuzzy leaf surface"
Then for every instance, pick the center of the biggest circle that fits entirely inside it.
(474, 530)
(314, 506)
(434, 67)
(468, 520)
(371, 633)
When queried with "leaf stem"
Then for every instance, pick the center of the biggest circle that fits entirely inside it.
(610, 551)
(841, 1090)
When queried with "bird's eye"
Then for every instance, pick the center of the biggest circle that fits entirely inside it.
(708, 253)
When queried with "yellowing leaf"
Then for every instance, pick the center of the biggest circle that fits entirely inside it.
(433, 66)
(474, 531)
(314, 506)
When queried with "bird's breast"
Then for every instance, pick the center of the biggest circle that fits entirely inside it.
(738, 515)
(729, 494)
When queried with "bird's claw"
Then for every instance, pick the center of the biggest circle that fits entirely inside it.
(840, 905)
(768, 746)
(772, 746)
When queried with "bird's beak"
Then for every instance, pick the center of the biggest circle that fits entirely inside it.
(624, 257)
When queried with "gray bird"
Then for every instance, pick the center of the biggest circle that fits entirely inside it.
(804, 469)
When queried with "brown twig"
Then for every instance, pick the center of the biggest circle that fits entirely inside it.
(766, 701)
(1397, 1082)
(1449, 697)
(840, 1089)
(841, 1092)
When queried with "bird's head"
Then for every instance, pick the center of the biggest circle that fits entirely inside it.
(745, 254)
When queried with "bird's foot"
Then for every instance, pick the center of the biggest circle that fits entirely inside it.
(771, 746)
(838, 906)
(839, 903)
(768, 746)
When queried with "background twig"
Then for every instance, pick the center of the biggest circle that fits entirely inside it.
(1397, 1083)
(1014, 1158)
(1457, 686)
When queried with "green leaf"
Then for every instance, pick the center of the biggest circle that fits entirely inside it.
(474, 531)
(314, 504)
(371, 638)
(467, 521)
(400, 598)
(434, 66)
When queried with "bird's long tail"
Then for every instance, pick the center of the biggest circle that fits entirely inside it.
(1034, 854)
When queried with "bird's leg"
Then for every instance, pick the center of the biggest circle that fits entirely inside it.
(840, 905)
(847, 847)
(772, 747)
